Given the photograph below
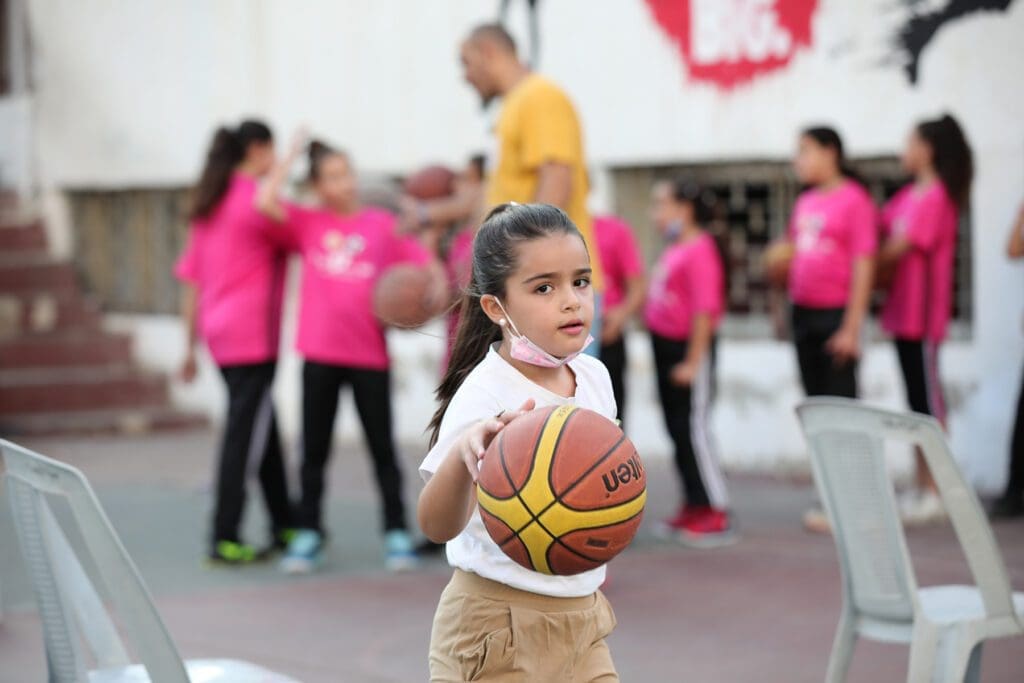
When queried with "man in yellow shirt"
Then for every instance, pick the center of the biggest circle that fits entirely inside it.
(540, 154)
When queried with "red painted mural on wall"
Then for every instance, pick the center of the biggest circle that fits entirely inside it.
(729, 42)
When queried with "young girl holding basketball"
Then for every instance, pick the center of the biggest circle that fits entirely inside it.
(920, 226)
(524, 324)
(345, 248)
(685, 303)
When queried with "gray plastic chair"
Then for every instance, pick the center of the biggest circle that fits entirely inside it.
(944, 625)
(70, 608)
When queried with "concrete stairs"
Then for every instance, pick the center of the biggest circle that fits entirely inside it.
(61, 372)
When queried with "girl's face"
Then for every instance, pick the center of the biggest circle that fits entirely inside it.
(548, 296)
(666, 211)
(260, 157)
(917, 155)
(814, 163)
(335, 184)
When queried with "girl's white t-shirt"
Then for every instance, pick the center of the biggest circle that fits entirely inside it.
(491, 387)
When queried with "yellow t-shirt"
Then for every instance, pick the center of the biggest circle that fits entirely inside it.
(537, 125)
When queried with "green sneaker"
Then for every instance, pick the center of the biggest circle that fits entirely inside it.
(278, 543)
(232, 553)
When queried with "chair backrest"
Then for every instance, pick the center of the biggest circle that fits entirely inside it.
(69, 605)
(847, 447)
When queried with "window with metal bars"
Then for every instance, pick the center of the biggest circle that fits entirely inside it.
(755, 202)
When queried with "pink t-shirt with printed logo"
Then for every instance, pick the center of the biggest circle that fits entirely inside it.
(342, 259)
(919, 301)
(831, 230)
(689, 279)
(620, 257)
(236, 258)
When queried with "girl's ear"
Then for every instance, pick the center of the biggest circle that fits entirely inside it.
(492, 309)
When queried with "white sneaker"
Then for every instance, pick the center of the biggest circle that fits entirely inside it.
(816, 521)
(921, 507)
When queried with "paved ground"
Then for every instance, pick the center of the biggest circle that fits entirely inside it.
(763, 610)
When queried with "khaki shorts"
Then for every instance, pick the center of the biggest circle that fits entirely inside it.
(487, 631)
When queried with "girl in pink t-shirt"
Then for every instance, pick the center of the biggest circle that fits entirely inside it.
(345, 248)
(833, 231)
(233, 268)
(685, 302)
(624, 290)
(916, 259)
(833, 235)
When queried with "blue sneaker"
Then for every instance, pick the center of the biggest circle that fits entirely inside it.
(305, 552)
(400, 551)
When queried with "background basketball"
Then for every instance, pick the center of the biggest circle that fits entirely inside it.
(431, 182)
(402, 297)
(776, 261)
(562, 490)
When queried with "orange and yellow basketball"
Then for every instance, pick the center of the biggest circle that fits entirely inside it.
(562, 490)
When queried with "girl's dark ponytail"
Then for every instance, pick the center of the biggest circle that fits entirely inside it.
(316, 153)
(706, 214)
(495, 258)
(226, 150)
(951, 157)
(703, 201)
(829, 137)
(473, 338)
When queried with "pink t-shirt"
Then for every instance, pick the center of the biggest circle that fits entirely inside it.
(619, 254)
(236, 258)
(831, 230)
(919, 301)
(342, 259)
(689, 279)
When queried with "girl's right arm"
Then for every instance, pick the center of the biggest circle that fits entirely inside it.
(1015, 246)
(268, 197)
(449, 498)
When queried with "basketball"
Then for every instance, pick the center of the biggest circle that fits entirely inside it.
(401, 297)
(431, 182)
(776, 260)
(561, 490)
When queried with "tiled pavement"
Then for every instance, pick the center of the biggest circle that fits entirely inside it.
(762, 610)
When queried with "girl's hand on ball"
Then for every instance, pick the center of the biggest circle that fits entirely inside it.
(478, 437)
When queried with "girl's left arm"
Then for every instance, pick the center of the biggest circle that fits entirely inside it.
(844, 345)
(1015, 245)
(268, 196)
(700, 341)
(189, 297)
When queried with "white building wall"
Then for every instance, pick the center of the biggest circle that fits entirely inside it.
(127, 94)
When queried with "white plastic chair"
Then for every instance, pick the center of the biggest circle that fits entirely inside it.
(70, 608)
(944, 625)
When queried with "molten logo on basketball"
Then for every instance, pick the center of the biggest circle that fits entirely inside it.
(631, 470)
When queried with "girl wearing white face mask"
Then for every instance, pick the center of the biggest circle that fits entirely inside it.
(685, 302)
(524, 321)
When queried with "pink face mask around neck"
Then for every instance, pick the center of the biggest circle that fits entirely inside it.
(523, 349)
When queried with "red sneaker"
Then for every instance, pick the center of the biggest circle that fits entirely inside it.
(684, 515)
(710, 528)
